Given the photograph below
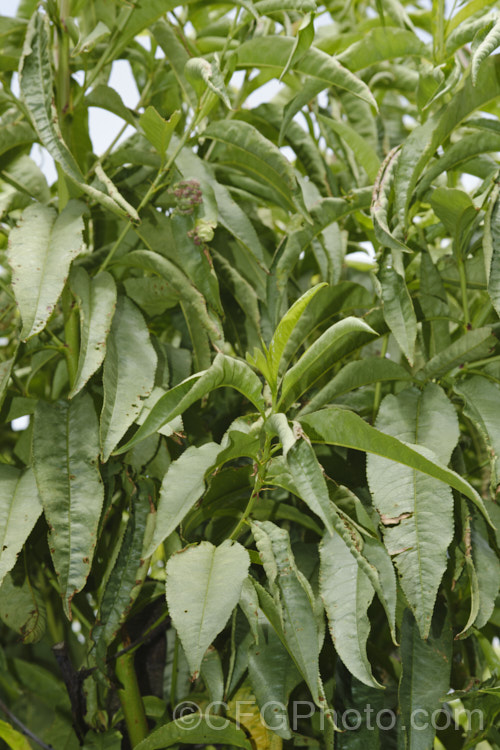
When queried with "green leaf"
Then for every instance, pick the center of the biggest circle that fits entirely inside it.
(337, 426)
(224, 372)
(41, 250)
(273, 52)
(20, 509)
(491, 244)
(425, 679)
(303, 41)
(273, 676)
(14, 131)
(479, 142)
(398, 310)
(14, 739)
(285, 329)
(176, 55)
(249, 151)
(347, 593)
(363, 152)
(323, 215)
(182, 487)
(110, 740)
(65, 454)
(487, 569)
(129, 570)
(482, 399)
(196, 730)
(129, 372)
(434, 304)
(22, 607)
(97, 301)
(157, 130)
(305, 470)
(298, 617)
(380, 44)
(107, 98)
(457, 211)
(473, 345)
(356, 375)
(487, 46)
(416, 511)
(203, 587)
(423, 141)
(89, 41)
(192, 300)
(318, 359)
(5, 372)
(265, 7)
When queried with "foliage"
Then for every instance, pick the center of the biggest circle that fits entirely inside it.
(190, 514)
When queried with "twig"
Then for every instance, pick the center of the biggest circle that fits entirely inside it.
(23, 729)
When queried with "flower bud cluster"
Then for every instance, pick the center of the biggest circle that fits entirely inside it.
(189, 195)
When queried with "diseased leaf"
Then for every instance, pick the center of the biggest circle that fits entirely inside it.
(65, 456)
(41, 249)
(129, 570)
(416, 511)
(97, 300)
(337, 426)
(487, 46)
(20, 508)
(36, 84)
(203, 587)
(129, 371)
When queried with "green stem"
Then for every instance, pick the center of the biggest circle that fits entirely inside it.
(258, 484)
(173, 682)
(378, 386)
(131, 700)
(463, 289)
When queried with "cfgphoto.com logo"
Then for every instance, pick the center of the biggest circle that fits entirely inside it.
(276, 716)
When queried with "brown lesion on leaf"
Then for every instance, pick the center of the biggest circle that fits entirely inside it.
(394, 520)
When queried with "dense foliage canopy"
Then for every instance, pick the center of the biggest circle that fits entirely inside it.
(257, 343)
